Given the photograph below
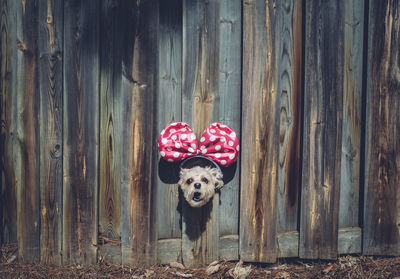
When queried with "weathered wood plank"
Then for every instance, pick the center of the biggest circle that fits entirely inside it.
(8, 216)
(200, 228)
(229, 247)
(289, 89)
(51, 129)
(324, 55)
(81, 131)
(139, 82)
(169, 103)
(27, 171)
(260, 124)
(230, 36)
(111, 129)
(349, 242)
(288, 244)
(382, 169)
(169, 250)
(3, 51)
(352, 100)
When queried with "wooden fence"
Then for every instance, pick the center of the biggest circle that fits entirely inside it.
(312, 88)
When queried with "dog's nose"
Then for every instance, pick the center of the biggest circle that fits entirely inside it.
(197, 185)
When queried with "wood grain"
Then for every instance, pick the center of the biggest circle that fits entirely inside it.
(324, 58)
(382, 167)
(111, 129)
(260, 124)
(81, 131)
(169, 250)
(51, 129)
(27, 151)
(8, 67)
(289, 88)
(230, 58)
(139, 82)
(229, 247)
(200, 228)
(352, 100)
(349, 242)
(169, 109)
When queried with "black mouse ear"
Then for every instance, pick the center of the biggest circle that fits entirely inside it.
(228, 172)
(168, 172)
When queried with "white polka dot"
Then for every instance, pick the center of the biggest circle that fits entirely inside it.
(237, 147)
(162, 132)
(222, 125)
(214, 124)
(174, 137)
(172, 131)
(164, 140)
(218, 147)
(174, 124)
(231, 156)
(223, 133)
(193, 145)
(169, 149)
(223, 162)
(233, 134)
(202, 147)
(184, 136)
(177, 145)
(183, 129)
(176, 154)
(193, 136)
(217, 155)
(212, 131)
(223, 139)
(204, 151)
(202, 139)
(230, 143)
(191, 150)
(170, 160)
(162, 153)
(212, 138)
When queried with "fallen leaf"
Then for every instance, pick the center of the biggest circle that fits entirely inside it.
(281, 267)
(177, 265)
(148, 273)
(212, 269)
(283, 275)
(184, 275)
(239, 272)
(326, 270)
(213, 263)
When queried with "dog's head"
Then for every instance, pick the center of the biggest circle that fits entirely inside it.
(199, 184)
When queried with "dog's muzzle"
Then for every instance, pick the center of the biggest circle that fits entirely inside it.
(197, 197)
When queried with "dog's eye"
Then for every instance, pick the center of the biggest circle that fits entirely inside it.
(189, 181)
(205, 180)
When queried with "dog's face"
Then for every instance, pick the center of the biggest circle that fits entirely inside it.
(199, 184)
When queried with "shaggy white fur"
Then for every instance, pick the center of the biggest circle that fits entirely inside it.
(199, 184)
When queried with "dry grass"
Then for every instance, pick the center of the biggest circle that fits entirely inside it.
(344, 267)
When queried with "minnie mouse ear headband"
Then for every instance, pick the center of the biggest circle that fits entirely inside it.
(219, 144)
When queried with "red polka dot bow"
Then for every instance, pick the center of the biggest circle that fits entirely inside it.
(218, 142)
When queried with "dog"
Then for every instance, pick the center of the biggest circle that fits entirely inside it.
(199, 184)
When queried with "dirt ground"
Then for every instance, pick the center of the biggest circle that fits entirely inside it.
(344, 267)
